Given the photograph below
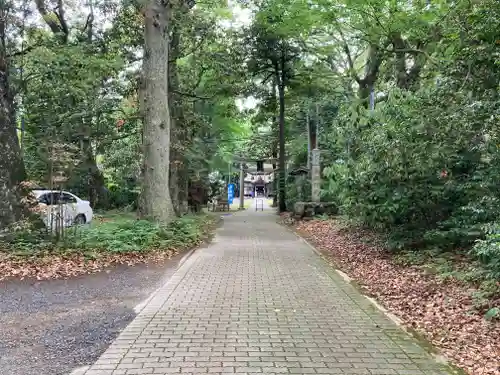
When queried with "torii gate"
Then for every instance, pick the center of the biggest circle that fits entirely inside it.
(242, 162)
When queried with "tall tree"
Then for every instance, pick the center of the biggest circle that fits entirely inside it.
(11, 163)
(272, 58)
(155, 201)
(80, 97)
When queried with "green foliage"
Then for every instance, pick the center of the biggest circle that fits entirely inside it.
(118, 233)
(123, 196)
(27, 242)
(493, 313)
(299, 190)
(423, 166)
(488, 250)
(121, 168)
(66, 99)
(487, 291)
(130, 235)
(457, 266)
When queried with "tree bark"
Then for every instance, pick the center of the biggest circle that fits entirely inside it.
(280, 78)
(407, 79)
(94, 178)
(274, 148)
(55, 20)
(366, 85)
(282, 171)
(11, 163)
(155, 202)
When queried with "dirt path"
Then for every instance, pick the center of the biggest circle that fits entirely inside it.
(52, 327)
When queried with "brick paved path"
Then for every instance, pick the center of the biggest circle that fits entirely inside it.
(260, 301)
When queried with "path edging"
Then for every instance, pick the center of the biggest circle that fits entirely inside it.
(438, 356)
(144, 303)
(218, 222)
(109, 360)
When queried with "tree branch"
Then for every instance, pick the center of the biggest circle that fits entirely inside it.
(55, 27)
(382, 98)
(62, 19)
(193, 50)
(107, 141)
(200, 77)
(347, 51)
(262, 70)
(268, 78)
(372, 65)
(190, 95)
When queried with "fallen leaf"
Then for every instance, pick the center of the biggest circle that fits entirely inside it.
(440, 311)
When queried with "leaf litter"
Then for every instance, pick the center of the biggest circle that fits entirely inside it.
(70, 265)
(442, 311)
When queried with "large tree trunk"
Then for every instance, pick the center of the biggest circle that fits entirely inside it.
(95, 185)
(155, 202)
(367, 84)
(11, 163)
(275, 180)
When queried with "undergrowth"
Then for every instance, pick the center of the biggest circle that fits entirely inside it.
(117, 234)
(458, 266)
(473, 265)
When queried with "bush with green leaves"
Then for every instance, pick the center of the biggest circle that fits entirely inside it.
(488, 250)
(424, 165)
(130, 235)
(121, 196)
(118, 233)
(299, 190)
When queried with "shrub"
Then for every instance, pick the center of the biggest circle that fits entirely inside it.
(131, 235)
(426, 175)
(120, 196)
(299, 190)
(119, 233)
(488, 250)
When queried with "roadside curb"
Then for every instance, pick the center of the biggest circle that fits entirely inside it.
(114, 353)
(146, 312)
(140, 307)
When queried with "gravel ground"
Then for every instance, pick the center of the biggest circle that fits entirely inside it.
(52, 327)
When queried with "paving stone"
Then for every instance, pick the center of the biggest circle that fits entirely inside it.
(258, 300)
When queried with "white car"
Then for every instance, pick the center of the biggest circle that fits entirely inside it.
(63, 205)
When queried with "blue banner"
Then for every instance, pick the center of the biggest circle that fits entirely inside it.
(230, 193)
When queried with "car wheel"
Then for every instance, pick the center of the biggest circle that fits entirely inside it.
(80, 219)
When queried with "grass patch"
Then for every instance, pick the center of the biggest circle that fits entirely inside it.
(114, 233)
(126, 235)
